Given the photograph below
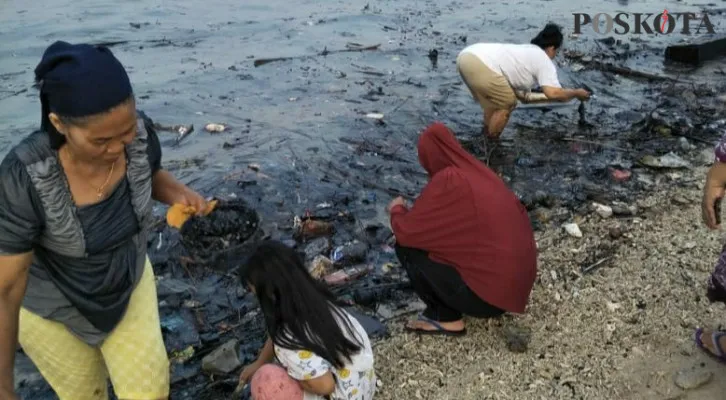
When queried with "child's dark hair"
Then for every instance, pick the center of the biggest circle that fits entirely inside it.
(300, 312)
(551, 35)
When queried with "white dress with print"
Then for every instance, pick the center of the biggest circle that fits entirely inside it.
(356, 381)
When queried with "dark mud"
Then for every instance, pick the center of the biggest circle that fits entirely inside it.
(299, 143)
(222, 236)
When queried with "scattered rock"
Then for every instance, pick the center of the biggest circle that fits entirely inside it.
(223, 360)
(692, 377)
(317, 247)
(169, 286)
(350, 253)
(517, 338)
(615, 232)
(603, 210)
(573, 230)
(681, 201)
(622, 209)
(685, 146)
(707, 157)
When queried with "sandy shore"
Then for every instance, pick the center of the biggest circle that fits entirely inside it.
(621, 331)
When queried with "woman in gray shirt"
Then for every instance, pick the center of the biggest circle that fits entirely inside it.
(76, 288)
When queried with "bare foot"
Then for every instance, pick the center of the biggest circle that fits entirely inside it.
(454, 326)
(709, 344)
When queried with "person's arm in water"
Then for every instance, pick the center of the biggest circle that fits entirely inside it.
(564, 95)
(547, 79)
(13, 281)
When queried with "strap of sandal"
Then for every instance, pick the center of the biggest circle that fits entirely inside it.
(715, 337)
(438, 326)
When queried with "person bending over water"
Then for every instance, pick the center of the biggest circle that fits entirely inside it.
(466, 243)
(76, 287)
(497, 74)
(714, 341)
(323, 351)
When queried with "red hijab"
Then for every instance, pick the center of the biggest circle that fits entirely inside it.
(468, 218)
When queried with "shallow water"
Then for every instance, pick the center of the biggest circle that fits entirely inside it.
(303, 121)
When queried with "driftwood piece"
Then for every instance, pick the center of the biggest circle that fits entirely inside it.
(263, 61)
(615, 69)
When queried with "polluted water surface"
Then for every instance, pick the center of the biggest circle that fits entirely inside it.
(324, 129)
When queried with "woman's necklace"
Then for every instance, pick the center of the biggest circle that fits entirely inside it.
(99, 190)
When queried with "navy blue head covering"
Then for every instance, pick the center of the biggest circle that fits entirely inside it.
(78, 80)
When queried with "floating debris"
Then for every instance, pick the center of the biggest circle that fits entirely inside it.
(320, 267)
(215, 128)
(311, 228)
(670, 160)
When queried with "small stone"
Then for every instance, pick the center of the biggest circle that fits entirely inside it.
(680, 200)
(615, 232)
(685, 146)
(573, 230)
(692, 377)
(620, 208)
(603, 210)
(517, 338)
(707, 157)
(317, 247)
(689, 245)
(223, 360)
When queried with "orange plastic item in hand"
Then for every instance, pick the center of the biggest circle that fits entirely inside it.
(178, 214)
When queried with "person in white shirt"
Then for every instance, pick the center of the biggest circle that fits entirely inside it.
(499, 74)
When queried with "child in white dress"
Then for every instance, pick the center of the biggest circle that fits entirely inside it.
(324, 351)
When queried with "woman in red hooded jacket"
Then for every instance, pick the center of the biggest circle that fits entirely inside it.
(467, 242)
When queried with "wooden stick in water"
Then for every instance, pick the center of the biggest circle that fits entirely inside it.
(263, 61)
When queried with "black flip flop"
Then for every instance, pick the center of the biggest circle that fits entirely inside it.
(438, 331)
